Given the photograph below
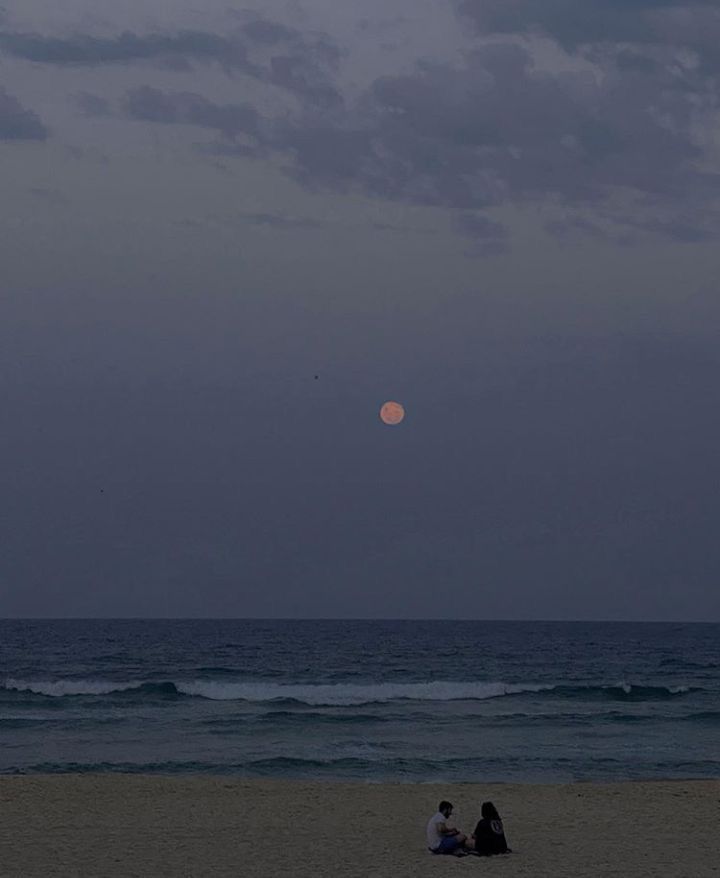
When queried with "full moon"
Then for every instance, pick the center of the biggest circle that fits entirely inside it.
(392, 413)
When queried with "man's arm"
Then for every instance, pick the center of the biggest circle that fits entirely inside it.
(444, 829)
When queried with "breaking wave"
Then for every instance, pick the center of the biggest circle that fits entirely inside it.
(339, 694)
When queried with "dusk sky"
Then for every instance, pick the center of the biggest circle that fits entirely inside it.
(230, 233)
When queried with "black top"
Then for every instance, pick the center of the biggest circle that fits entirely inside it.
(490, 838)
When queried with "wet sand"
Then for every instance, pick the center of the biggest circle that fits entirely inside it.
(123, 825)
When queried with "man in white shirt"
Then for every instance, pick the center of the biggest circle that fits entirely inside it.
(441, 838)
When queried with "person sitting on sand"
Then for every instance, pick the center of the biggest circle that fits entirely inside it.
(441, 838)
(489, 835)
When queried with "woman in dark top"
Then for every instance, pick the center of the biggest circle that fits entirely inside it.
(489, 834)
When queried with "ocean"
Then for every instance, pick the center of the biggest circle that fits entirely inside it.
(367, 700)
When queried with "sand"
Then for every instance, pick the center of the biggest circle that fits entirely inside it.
(124, 825)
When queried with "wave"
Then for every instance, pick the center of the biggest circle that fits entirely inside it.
(685, 664)
(21, 722)
(286, 765)
(352, 694)
(70, 688)
(300, 718)
(476, 769)
(61, 688)
(703, 716)
(622, 691)
(338, 694)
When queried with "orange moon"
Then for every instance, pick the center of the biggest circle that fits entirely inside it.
(392, 413)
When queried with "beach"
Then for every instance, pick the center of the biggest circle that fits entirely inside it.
(148, 825)
(319, 749)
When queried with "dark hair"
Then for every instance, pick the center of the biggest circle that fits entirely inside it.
(489, 811)
(443, 806)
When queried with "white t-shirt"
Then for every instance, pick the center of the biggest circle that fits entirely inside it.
(434, 836)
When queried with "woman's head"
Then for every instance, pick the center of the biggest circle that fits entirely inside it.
(489, 811)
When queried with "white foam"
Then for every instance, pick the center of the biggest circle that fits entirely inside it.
(314, 694)
(352, 693)
(629, 688)
(340, 694)
(60, 688)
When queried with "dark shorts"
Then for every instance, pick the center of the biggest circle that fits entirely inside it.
(448, 845)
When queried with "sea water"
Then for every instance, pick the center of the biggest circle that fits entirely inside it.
(371, 700)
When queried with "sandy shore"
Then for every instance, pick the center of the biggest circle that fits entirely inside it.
(109, 825)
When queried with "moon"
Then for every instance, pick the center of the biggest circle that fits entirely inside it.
(392, 413)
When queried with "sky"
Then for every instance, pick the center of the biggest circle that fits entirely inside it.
(229, 233)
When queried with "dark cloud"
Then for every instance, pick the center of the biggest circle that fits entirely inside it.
(496, 129)
(615, 139)
(17, 122)
(297, 63)
(269, 33)
(300, 66)
(86, 51)
(575, 23)
(489, 131)
(305, 80)
(317, 47)
(186, 108)
(240, 125)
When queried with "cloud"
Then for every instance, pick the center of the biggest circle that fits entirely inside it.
(479, 227)
(82, 50)
(572, 226)
(678, 227)
(494, 129)
(489, 238)
(239, 126)
(93, 105)
(270, 33)
(319, 47)
(295, 64)
(186, 108)
(675, 229)
(497, 129)
(576, 23)
(305, 80)
(607, 140)
(17, 122)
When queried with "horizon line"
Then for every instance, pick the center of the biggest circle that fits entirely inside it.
(352, 619)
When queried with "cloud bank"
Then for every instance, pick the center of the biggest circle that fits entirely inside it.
(615, 136)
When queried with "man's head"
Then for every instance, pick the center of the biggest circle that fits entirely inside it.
(445, 808)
